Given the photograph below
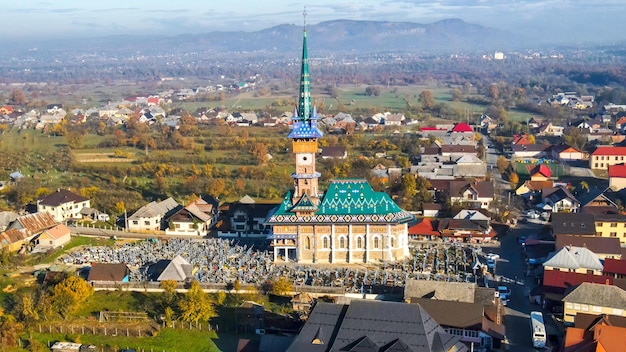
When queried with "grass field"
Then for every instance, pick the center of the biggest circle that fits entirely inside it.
(169, 340)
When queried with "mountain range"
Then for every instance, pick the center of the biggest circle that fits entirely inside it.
(445, 36)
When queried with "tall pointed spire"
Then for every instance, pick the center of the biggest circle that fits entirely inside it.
(305, 121)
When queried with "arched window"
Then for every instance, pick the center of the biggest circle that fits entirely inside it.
(376, 242)
(307, 243)
(325, 242)
(359, 242)
(342, 242)
(392, 242)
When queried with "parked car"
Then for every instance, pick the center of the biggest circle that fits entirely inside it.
(493, 256)
(504, 293)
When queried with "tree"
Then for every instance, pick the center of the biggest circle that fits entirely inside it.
(502, 164)
(17, 97)
(10, 329)
(260, 153)
(513, 178)
(196, 305)
(494, 92)
(531, 139)
(427, 99)
(456, 94)
(74, 139)
(69, 294)
(281, 286)
(409, 186)
(575, 138)
(169, 291)
(372, 91)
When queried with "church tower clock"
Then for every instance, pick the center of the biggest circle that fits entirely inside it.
(304, 136)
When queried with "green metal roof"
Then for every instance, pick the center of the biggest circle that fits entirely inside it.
(346, 201)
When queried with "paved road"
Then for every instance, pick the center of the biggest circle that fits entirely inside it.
(511, 268)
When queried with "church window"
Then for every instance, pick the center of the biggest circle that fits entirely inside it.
(342, 242)
(392, 242)
(359, 242)
(376, 242)
(307, 243)
(325, 242)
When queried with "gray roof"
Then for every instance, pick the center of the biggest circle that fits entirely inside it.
(573, 224)
(6, 218)
(178, 270)
(373, 326)
(153, 209)
(571, 257)
(598, 295)
(448, 291)
(471, 215)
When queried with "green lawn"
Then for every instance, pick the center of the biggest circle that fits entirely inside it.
(118, 301)
(170, 340)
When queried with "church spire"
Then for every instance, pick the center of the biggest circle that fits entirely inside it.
(305, 117)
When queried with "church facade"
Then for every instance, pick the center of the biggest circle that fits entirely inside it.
(349, 223)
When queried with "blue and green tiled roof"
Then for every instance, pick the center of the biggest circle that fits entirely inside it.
(346, 201)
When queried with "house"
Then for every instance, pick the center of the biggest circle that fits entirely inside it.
(63, 205)
(151, 216)
(473, 215)
(177, 269)
(108, 273)
(574, 259)
(530, 188)
(603, 156)
(431, 209)
(462, 127)
(596, 299)
(596, 333)
(13, 239)
(573, 224)
(6, 218)
(337, 152)
(615, 267)
(393, 119)
(456, 151)
(6, 110)
(194, 219)
(611, 225)
(449, 291)
(550, 130)
(475, 194)
(465, 230)
(373, 326)
(51, 238)
(522, 139)
(33, 224)
(529, 151)
(603, 247)
(424, 229)
(470, 321)
(559, 199)
(564, 152)
(617, 176)
(541, 173)
(16, 176)
(246, 218)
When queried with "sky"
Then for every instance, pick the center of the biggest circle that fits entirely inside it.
(564, 20)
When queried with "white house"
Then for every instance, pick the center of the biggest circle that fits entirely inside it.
(150, 216)
(195, 219)
(63, 205)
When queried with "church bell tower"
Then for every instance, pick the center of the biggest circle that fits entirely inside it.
(304, 136)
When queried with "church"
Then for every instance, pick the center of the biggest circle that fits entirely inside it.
(349, 223)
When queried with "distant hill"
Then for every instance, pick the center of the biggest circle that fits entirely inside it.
(450, 35)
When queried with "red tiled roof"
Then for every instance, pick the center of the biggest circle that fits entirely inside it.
(425, 227)
(615, 266)
(462, 127)
(608, 150)
(618, 170)
(565, 279)
(543, 169)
